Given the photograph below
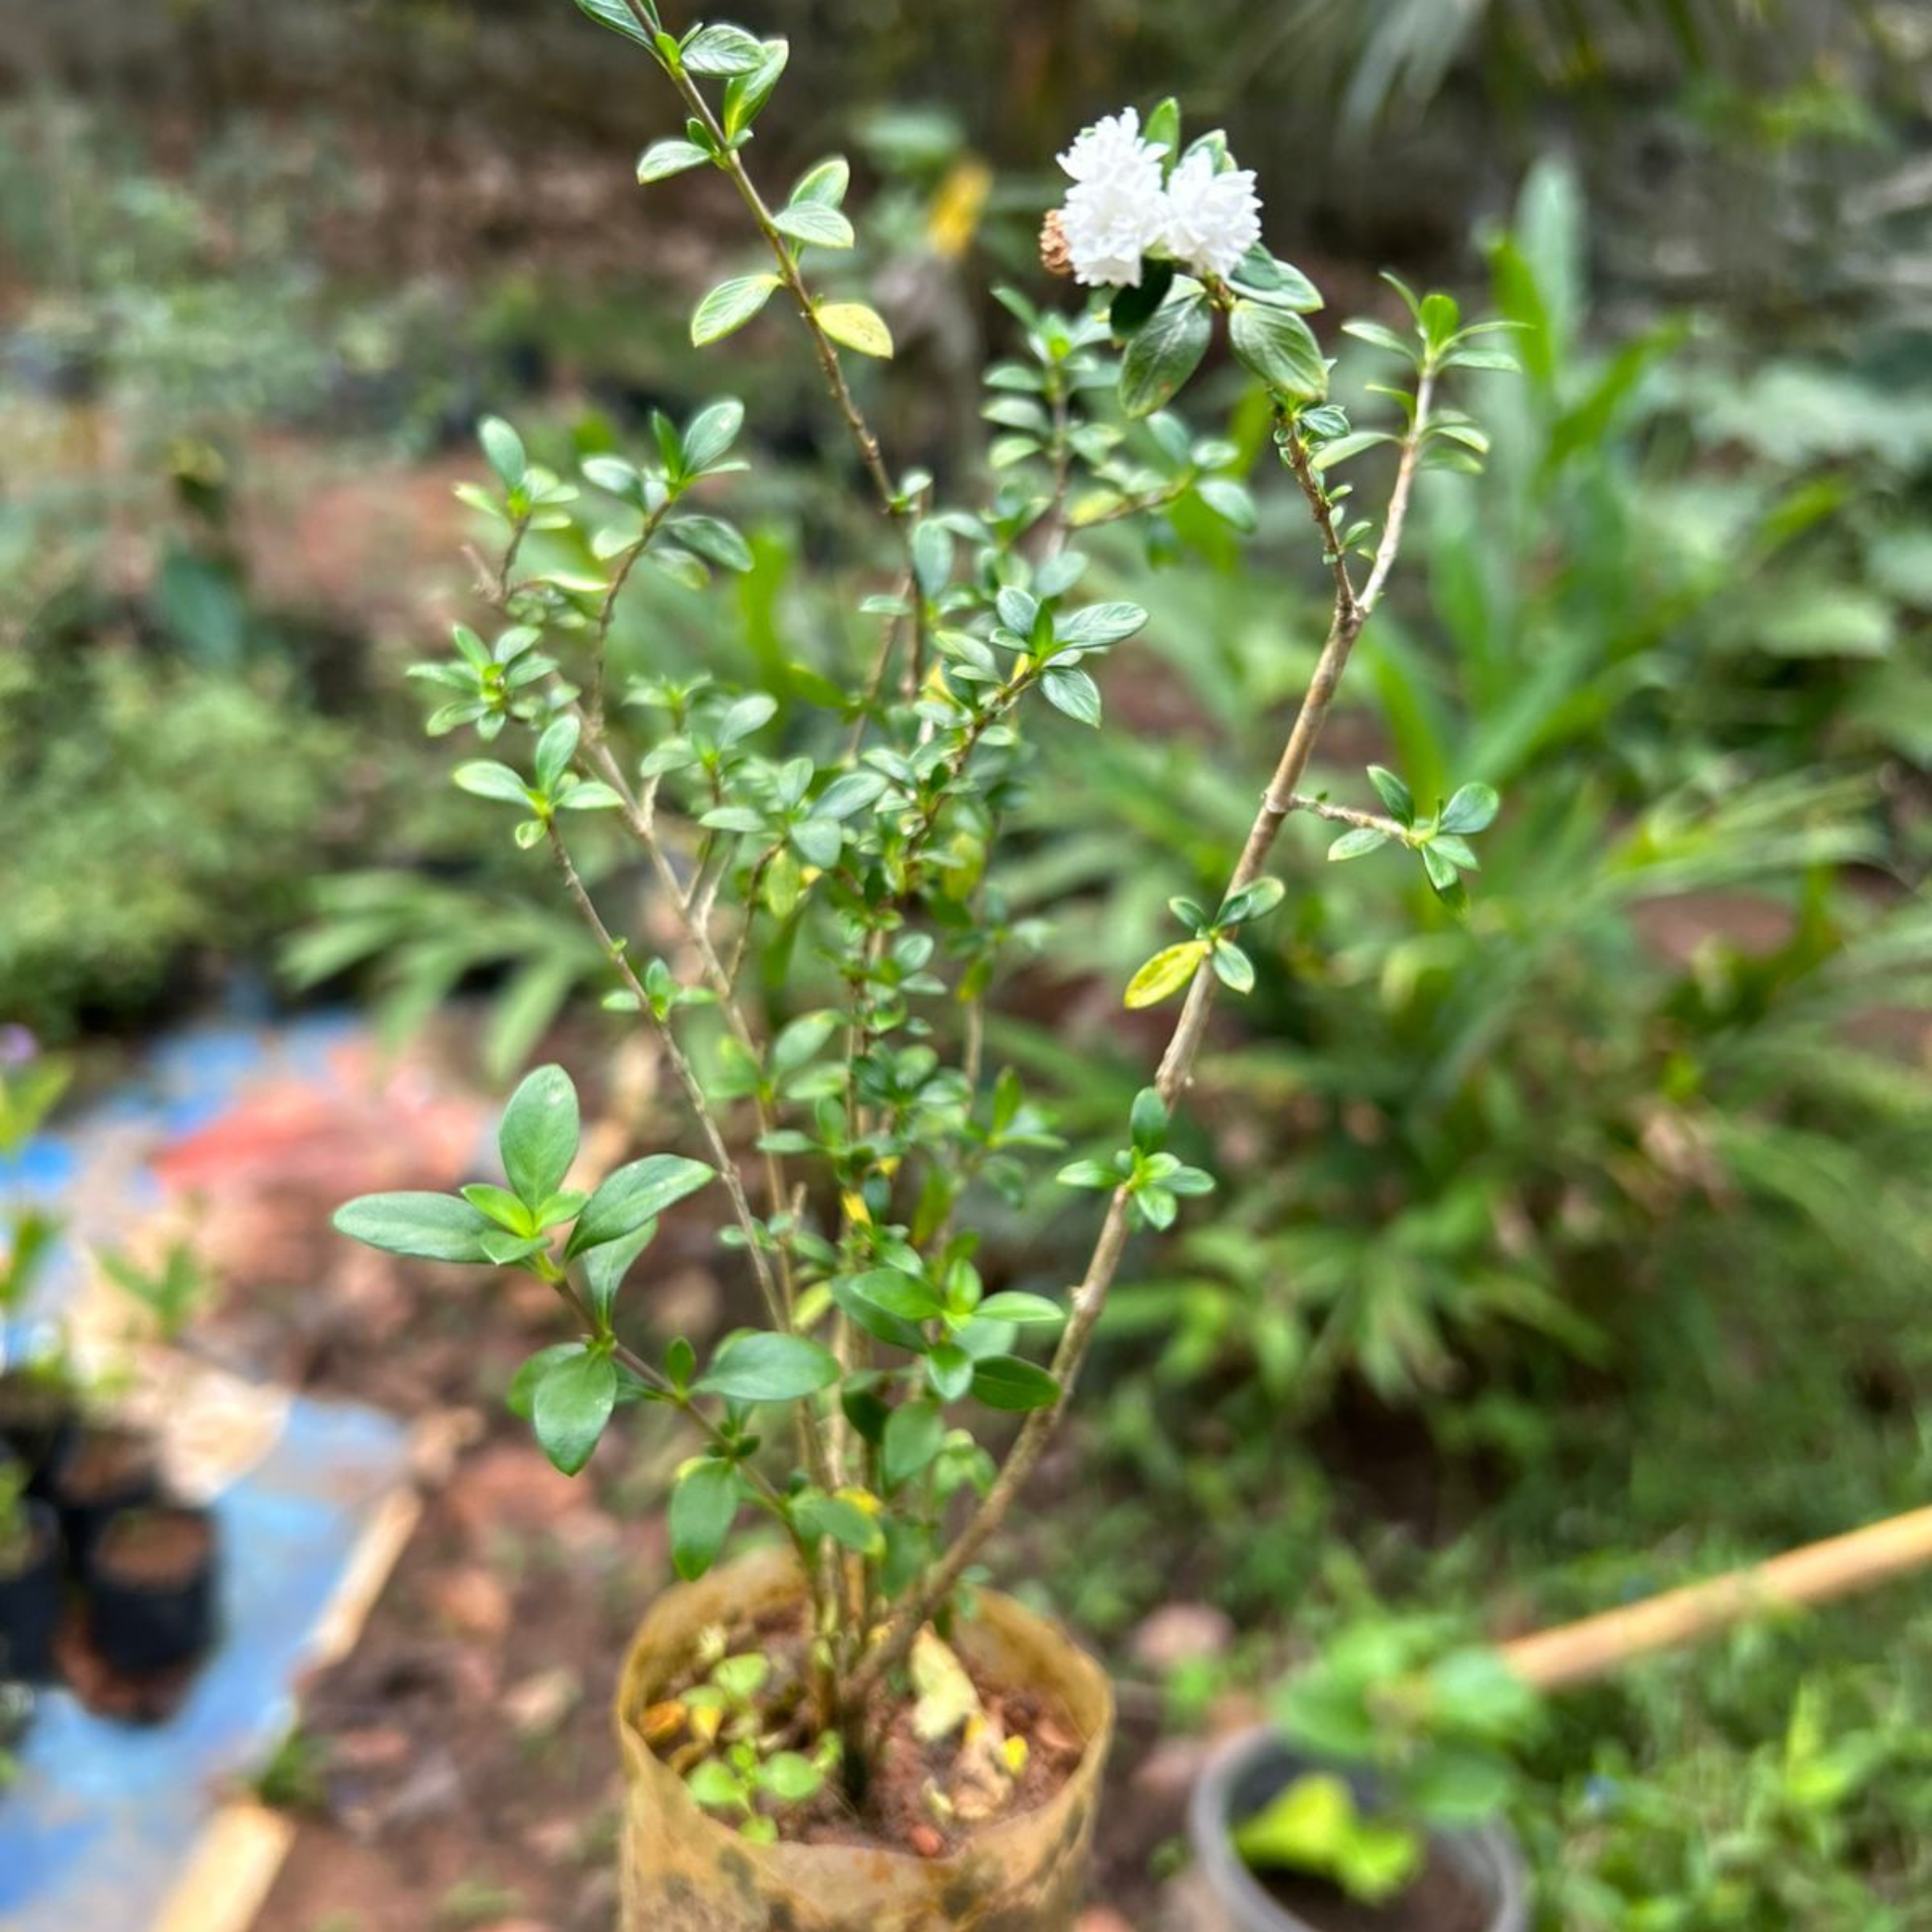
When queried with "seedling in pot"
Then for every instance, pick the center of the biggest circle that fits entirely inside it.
(30, 1578)
(152, 1588)
(736, 1757)
(1374, 1805)
(106, 1468)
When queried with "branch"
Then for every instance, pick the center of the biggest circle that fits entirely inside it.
(868, 444)
(1350, 613)
(1342, 814)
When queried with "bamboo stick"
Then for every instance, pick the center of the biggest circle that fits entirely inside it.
(1576, 1653)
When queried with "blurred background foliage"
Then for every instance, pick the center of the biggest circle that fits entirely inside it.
(1607, 1213)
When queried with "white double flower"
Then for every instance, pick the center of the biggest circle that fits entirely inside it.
(1119, 209)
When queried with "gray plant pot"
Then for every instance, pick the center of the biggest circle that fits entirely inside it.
(1250, 1769)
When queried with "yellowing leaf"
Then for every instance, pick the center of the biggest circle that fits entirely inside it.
(856, 326)
(1166, 973)
(947, 1699)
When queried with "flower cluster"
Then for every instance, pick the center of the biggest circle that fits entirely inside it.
(1124, 207)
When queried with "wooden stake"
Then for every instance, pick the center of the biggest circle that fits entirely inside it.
(1577, 1653)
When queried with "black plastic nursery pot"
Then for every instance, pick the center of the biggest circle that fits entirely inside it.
(30, 1599)
(103, 1471)
(1474, 1880)
(151, 1589)
(36, 1424)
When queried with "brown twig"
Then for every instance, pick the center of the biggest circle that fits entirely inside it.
(1352, 611)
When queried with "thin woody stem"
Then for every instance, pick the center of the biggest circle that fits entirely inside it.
(777, 1290)
(1352, 611)
(686, 1075)
(890, 500)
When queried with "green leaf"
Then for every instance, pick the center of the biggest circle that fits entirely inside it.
(1270, 279)
(1363, 839)
(914, 1430)
(619, 18)
(722, 51)
(1093, 1173)
(663, 159)
(1313, 1826)
(703, 1507)
(572, 1404)
(1097, 626)
(636, 1193)
(1073, 692)
(487, 779)
(1231, 502)
(1164, 352)
(1440, 867)
(1252, 901)
(1133, 307)
(817, 1516)
(1456, 850)
(503, 449)
(712, 432)
(1163, 129)
(1166, 973)
(746, 94)
(824, 184)
(427, 1227)
(729, 306)
(1277, 345)
(790, 1777)
(503, 1208)
(822, 227)
(713, 1784)
(1008, 1382)
(1343, 447)
(1473, 808)
(1233, 967)
(903, 1296)
(537, 1138)
(1146, 1122)
(949, 1369)
(605, 1266)
(520, 1397)
(715, 540)
(801, 1041)
(1027, 1311)
(754, 1367)
(1396, 796)
(856, 327)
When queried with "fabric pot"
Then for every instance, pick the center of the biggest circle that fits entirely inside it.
(30, 1602)
(149, 1612)
(1252, 1769)
(683, 1871)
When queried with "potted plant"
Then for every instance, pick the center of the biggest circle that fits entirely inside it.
(837, 1731)
(151, 1589)
(1374, 1804)
(30, 1579)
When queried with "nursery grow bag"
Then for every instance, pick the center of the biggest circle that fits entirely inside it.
(684, 1871)
(101, 1471)
(30, 1602)
(152, 1589)
(1486, 1862)
(36, 1424)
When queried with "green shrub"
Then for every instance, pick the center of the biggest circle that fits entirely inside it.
(154, 812)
